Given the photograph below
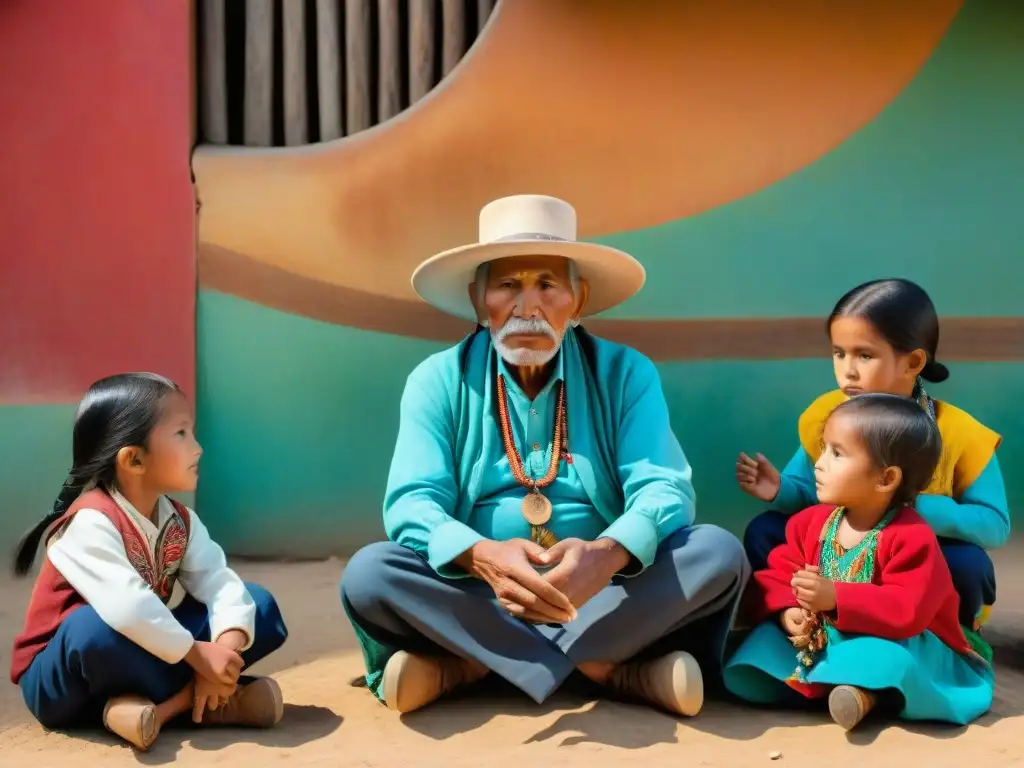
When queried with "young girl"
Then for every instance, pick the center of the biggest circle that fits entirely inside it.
(884, 337)
(858, 599)
(135, 617)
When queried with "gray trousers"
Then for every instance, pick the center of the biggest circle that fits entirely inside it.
(685, 601)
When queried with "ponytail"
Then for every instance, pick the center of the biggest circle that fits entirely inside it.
(25, 553)
(935, 371)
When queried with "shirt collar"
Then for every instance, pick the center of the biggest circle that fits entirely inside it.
(129, 509)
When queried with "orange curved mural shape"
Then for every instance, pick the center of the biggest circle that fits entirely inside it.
(575, 99)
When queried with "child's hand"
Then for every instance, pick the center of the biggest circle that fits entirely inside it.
(794, 621)
(209, 695)
(215, 662)
(814, 593)
(758, 477)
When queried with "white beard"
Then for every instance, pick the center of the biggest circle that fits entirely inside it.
(520, 356)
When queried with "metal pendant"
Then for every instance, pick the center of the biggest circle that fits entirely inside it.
(544, 537)
(536, 508)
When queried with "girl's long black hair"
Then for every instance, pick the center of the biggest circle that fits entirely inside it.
(116, 412)
(902, 313)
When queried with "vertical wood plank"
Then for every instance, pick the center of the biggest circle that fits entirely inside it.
(422, 21)
(296, 111)
(389, 60)
(213, 106)
(258, 127)
(483, 12)
(358, 68)
(453, 19)
(328, 68)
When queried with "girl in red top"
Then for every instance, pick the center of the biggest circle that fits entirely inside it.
(859, 600)
(135, 617)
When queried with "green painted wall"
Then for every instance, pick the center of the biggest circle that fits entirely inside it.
(35, 455)
(298, 417)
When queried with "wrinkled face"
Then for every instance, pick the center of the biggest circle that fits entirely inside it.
(866, 362)
(528, 302)
(171, 457)
(845, 474)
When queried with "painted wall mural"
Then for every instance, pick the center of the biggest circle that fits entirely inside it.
(758, 161)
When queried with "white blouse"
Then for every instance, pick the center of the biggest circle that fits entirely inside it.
(90, 554)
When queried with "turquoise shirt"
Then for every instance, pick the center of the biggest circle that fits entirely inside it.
(449, 485)
(498, 513)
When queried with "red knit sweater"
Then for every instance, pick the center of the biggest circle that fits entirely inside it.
(910, 592)
(53, 598)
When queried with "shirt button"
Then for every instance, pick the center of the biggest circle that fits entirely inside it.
(533, 411)
(536, 446)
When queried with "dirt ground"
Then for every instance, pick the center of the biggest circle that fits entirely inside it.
(328, 722)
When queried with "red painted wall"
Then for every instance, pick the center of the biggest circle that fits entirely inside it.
(97, 244)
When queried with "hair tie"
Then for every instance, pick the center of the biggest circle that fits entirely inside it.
(934, 372)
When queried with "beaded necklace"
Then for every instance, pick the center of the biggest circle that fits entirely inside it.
(853, 565)
(536, 506)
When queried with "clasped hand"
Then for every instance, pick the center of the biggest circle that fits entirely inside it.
(814, 592)
(217, 668)
(580, 570)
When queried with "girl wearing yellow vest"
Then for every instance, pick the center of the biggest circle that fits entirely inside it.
(884, 337)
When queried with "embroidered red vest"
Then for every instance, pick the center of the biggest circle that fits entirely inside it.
(53, 598)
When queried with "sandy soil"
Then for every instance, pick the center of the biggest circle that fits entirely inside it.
(330, 723)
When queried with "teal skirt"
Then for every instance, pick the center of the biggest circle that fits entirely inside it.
(936, 682)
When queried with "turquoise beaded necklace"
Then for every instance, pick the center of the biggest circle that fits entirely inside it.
(853, 565)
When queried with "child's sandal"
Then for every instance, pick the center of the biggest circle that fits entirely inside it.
(133, 718)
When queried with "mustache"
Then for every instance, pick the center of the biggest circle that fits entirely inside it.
(517, 325)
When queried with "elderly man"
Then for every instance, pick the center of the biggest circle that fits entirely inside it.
(539, 507)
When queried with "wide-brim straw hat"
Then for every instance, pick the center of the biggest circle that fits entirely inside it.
(527, 225)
